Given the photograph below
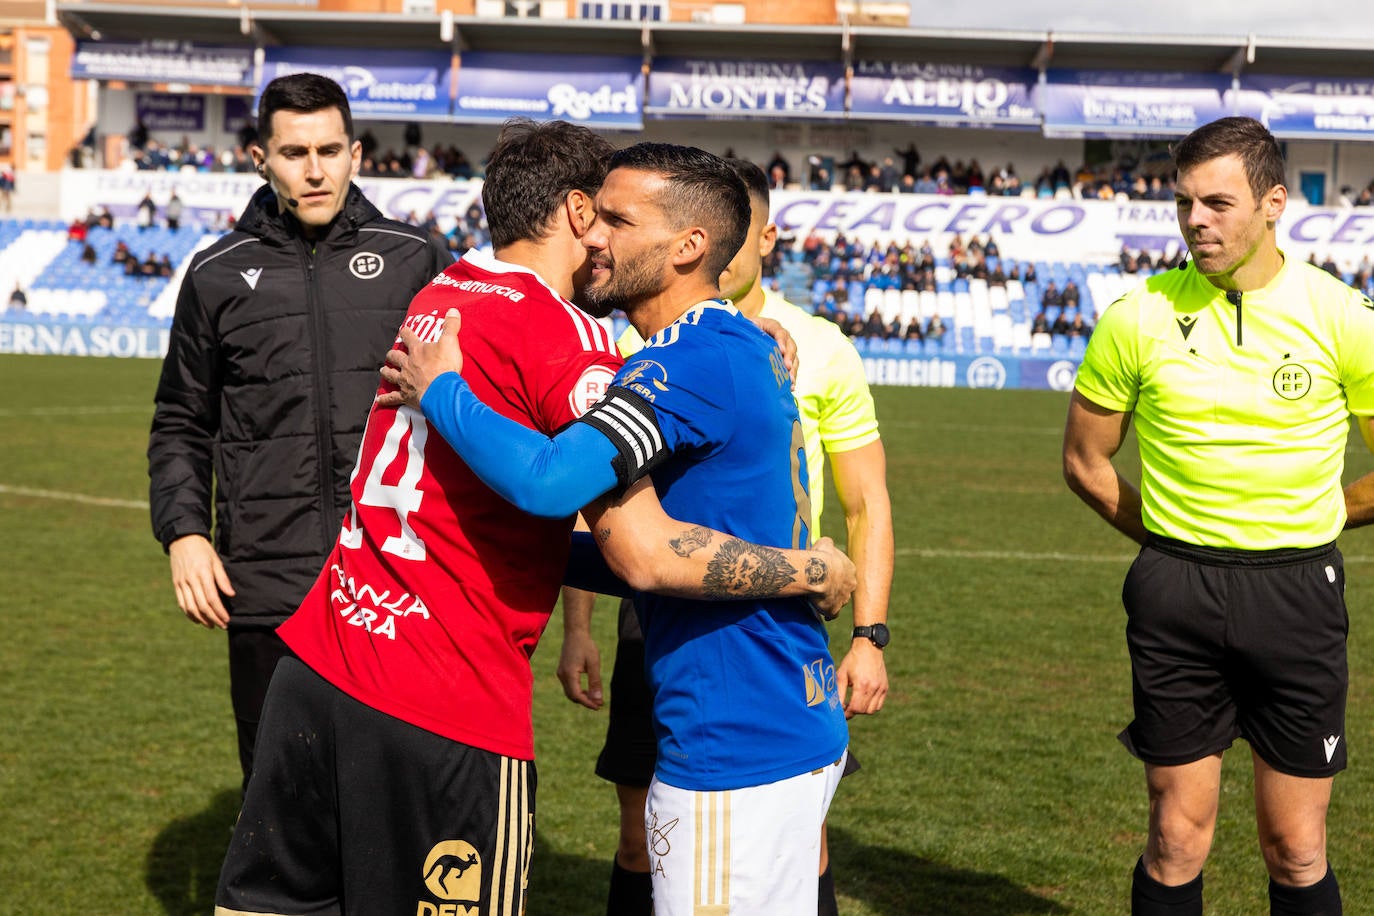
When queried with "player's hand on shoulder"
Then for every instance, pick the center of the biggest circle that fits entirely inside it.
(419, 361)
(832, 578)
(785, 343)
(579, 657)
(198, 577)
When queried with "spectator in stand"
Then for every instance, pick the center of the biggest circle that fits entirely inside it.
(1011, 182)
(7, 186)
(853, 162)
(990, 247)
(19, 299)
(779, 162)
(1079, 328)
(997, 276)
(1040, 324)
(935, 328)
(889, 175)
(974, 180)
(1061, 324)
(164, 266)
(131, 266)
(821, 179)
(1329, 265)
(1051, 295)
(1028, 274)
(146, 211)
(121, 252)
(943, 185)
(1071, 295)
(854, 178)
(173, 211)
(907, 185)
(138, 135)
(926, 185)
(1143, 264)
(1125, 260)
(911, 159)
(76, 230)
(149, 268)
(88, 255)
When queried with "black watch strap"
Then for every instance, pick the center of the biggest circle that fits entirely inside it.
(877, 634)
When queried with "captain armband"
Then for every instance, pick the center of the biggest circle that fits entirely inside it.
(629, 421)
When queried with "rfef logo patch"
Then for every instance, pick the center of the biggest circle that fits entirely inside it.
(589, 389)
(1292, 381)
(366, 266)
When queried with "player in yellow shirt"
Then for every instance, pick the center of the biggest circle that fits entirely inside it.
(1241, 369)
(838, 419)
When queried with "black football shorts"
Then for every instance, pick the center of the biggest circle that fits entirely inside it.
(352, 811)
(1231, 643)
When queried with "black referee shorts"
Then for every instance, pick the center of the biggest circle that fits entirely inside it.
(351, 811)
(1231, 643)
(631, 749)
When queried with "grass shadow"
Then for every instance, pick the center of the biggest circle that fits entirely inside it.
(891, 882)
(185, 858)
(564, 883)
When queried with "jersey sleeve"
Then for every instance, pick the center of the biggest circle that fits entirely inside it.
(848, 419)
(1357, 356)
(1110, 373)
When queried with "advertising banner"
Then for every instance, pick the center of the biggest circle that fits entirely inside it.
(163, 62)
(970, 371)
(166, 111)
(597, 91)
(383, 85)
(1310, 108)
(682, 87)
(947, 95)
(57, 338)
(1109, 103)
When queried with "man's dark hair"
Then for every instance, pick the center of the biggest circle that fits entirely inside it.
(303, 92)
(701, 189)
(755, 181)
(1245, 137)
(532, 169)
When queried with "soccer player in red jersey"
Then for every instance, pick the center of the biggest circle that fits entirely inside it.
(395, 769)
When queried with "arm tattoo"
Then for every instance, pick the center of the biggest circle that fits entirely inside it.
(690, 540)
(743, 570)
(603, 535)
(815, 571)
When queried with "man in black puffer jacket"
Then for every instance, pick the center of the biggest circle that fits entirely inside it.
(279, 331)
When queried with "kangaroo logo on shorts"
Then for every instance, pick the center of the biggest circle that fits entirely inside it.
(366, 266)
(453, 871)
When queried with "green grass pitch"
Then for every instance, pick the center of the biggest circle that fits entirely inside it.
(992, 780)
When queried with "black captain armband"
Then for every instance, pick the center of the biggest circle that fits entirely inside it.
(629, 421)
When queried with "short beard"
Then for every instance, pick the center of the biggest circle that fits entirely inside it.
(631, 281)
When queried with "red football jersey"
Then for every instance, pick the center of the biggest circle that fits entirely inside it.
(437, 590)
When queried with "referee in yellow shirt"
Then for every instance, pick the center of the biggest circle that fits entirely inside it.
(838, 419)
(1241, 369)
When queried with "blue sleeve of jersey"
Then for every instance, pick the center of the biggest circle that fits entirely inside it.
(589, 571)
(547, 477)
(690, 386)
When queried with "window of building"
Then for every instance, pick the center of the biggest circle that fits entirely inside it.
(631, 10)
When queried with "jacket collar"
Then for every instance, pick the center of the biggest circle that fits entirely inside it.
(263, 218)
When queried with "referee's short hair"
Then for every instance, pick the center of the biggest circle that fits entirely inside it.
(304, 92)
(700, 189)
(1244, 137)
(755, 182)
(532, 170)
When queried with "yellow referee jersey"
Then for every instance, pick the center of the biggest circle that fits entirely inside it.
(833, 400)
(1240, 402)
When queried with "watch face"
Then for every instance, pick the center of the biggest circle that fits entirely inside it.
(880, 636)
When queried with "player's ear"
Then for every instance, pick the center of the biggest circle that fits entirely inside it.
(768, 240)
(580, 212)
(691, 245)
(1275, 202)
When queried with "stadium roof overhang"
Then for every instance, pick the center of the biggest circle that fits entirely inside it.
(260, 27)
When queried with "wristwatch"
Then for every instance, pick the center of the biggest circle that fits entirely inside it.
(876, 634)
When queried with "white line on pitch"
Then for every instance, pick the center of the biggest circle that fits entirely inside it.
(72, 411)
(74, 497)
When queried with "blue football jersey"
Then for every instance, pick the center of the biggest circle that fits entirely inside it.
(744, 691)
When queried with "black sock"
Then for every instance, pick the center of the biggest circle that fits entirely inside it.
(1150, 898)
(827, 905)
(632, 893)
(1320, 899)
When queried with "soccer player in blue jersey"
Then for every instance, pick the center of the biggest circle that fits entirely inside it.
(749, 722)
